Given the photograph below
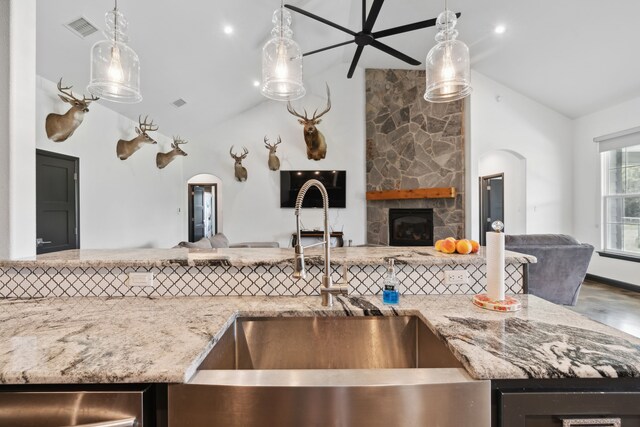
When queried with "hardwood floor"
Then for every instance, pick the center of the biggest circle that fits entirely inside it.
(612, 306)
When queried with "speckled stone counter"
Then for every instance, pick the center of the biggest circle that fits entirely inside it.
(246, 271)
(244, 257)
(126, 340)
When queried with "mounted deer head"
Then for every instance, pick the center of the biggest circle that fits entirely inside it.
(163, 159)
(240, 171)
(316, 145)
(125, 149)
(274, 161)
(61, 126)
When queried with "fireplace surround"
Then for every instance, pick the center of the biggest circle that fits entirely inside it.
(410, 227)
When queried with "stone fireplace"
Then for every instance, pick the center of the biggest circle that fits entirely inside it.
(412, 144)
(410, 227)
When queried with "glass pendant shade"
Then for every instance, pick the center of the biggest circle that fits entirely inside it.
(448, 68)
(282, 61)
(115, 67)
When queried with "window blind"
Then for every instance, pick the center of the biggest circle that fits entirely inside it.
(617, 140)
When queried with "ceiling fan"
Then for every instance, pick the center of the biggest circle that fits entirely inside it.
(368, 37)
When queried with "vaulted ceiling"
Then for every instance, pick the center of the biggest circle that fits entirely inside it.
(575, 56)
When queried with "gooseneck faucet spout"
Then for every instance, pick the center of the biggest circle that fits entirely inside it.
(328, 289)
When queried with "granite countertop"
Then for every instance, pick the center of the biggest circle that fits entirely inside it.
(251, 256)
(125, 340)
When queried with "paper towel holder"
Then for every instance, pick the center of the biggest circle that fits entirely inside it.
(509, 303)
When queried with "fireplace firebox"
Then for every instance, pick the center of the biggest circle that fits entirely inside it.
(410, 227)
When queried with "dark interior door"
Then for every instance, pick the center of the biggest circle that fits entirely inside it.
(196, 211)
(491, 203)
(56, 202)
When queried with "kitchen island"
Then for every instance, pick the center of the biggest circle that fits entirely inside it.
(543, 361)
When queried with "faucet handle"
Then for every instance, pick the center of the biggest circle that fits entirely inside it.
(342, 289)
(299, 270)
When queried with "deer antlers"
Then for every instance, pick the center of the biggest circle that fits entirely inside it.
(316, 116)
(146, 127)
(270, 146)
(178, 141)
(70, 94)
(241, 156)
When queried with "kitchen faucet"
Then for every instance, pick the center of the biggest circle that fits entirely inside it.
(328, 289)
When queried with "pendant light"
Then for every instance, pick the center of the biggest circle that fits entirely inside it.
(115, 67)
(282, 61)
(448, 67)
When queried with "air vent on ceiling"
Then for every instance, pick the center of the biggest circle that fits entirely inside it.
(178, 102)
(81, 27)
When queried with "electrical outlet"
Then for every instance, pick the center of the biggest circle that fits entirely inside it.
(140, 280)
(456, 277)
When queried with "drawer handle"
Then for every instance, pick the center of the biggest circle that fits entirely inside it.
(609, 422)
(126, 422)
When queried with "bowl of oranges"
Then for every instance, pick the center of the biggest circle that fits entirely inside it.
(451, 245)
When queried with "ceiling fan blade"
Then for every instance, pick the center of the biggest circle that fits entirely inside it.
(391, 51)
(354, 62)
(373, 15)
(328, 47)
(406, 28)
(319, 19)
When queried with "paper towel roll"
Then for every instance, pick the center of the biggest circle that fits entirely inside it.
(495, 266)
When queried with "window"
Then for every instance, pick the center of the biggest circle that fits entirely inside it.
(621, 200)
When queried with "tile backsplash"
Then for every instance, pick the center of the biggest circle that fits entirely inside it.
(221, 280)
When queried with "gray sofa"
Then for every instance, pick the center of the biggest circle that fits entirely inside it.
(561, 267)
(220, 241)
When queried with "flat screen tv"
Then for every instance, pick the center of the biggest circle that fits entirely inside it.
(334, 181)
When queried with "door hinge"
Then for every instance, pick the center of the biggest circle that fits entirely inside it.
(76, 230)
(75, 176)
(488, 188)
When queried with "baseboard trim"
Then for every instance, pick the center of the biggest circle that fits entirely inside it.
(613, 282)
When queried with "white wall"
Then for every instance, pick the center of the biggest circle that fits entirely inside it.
(17, 129)
(514, 169)
(123, 203)
(586, 179)
(5, 177)
(538, 134)
(251, 209)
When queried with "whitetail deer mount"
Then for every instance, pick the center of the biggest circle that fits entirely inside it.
(163, 159)
(240, 171)
(316, 144)
(125, 149)
(274, 161)
(61, 126)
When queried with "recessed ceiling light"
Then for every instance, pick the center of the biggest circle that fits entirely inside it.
(500, 29)
(228, 29)
(256, 83)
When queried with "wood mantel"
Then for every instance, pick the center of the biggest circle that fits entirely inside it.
(415, 193)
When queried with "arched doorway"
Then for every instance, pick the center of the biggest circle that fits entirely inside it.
(204, 206)
(511, 167)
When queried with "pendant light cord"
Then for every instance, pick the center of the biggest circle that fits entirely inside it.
(281, 18)
(115, 22)
(446, 14)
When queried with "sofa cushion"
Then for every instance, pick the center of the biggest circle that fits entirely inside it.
(203, 243)
(219, 241)
(539, 239)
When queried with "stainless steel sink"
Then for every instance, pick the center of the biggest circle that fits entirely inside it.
(330, 371)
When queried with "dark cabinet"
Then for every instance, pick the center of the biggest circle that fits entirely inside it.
(566, 402)
(546, 409)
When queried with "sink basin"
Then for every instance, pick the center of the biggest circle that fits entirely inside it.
(329, 343)
(330, 371)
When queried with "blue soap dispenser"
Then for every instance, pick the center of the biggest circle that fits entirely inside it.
(391, 285)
